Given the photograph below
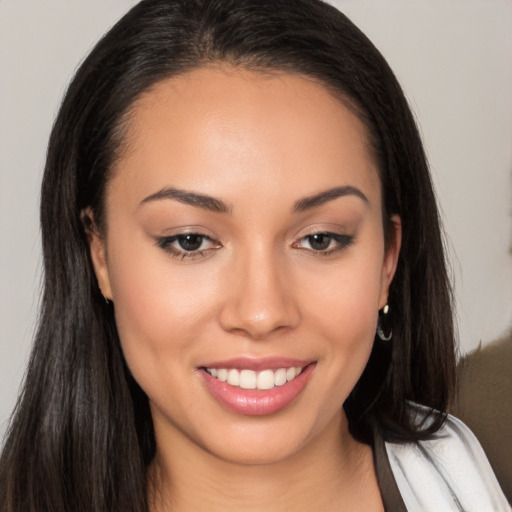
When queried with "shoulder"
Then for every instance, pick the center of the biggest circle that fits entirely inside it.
(486, 371)
(447, 472)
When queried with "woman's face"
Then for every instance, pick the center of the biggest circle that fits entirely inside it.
(244, 241)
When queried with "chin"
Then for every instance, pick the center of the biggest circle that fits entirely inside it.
(260, 450)
(272, 439)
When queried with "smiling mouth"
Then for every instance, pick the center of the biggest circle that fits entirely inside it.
(257, 387)
(250, 379)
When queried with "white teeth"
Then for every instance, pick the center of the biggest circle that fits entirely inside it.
(249, 379)
(265, 379)
(234, 377)
(280, 377)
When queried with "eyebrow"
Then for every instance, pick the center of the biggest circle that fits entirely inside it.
(192, 198)
(216, 205)
(321, 198)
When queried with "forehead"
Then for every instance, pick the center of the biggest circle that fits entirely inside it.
(218, 126)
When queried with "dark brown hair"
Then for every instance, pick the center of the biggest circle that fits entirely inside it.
(81, 437)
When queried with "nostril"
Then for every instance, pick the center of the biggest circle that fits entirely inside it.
(259, 300)
(258, 324)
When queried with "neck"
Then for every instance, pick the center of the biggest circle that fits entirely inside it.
(333, 472)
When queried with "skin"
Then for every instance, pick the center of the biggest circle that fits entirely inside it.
(259, 143)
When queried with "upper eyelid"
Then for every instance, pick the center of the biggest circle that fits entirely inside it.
(185, 233)
(332, 234)
(165, 243)
(187, 230)
(342, 241)
(169, 239)
(325, 227)
(175, 232)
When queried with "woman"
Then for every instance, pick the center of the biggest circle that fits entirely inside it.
(245, 290)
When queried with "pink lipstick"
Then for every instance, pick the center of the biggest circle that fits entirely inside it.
(256, 387)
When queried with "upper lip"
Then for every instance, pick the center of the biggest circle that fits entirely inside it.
(257, 364)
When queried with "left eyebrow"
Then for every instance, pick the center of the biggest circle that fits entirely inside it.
(192, 198)
(307, 203)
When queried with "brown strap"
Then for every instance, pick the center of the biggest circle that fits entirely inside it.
(390, 494)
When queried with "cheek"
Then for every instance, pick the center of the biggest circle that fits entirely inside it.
(346, 301)
(342, 311)
(160, 307)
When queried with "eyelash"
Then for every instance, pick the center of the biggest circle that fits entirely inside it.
(166, 243)
(341, 241)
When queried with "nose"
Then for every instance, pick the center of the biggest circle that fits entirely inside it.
(259, 297)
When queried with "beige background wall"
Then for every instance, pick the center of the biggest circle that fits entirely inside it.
(454, 59)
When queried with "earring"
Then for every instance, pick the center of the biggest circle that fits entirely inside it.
(107, 302)
(380, 332)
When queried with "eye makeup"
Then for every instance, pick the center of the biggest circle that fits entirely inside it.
(324, 243)
(188, 245)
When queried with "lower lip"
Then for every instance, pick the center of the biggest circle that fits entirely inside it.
(254, 402)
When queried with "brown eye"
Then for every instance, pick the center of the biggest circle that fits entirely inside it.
(190, 242)
(188, 245)
(319, 241)
(324, 243)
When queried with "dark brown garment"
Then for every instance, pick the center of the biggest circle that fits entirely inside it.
(484, 403)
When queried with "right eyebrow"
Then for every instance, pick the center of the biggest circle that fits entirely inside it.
(307, 203)
(192, 198)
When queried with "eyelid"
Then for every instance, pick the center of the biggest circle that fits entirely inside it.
(166, 242)
(186, 229)
(337, 233)
(344, 240)
(324, 227)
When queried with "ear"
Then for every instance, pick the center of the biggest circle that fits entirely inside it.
(98, 253)
(390, 260)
